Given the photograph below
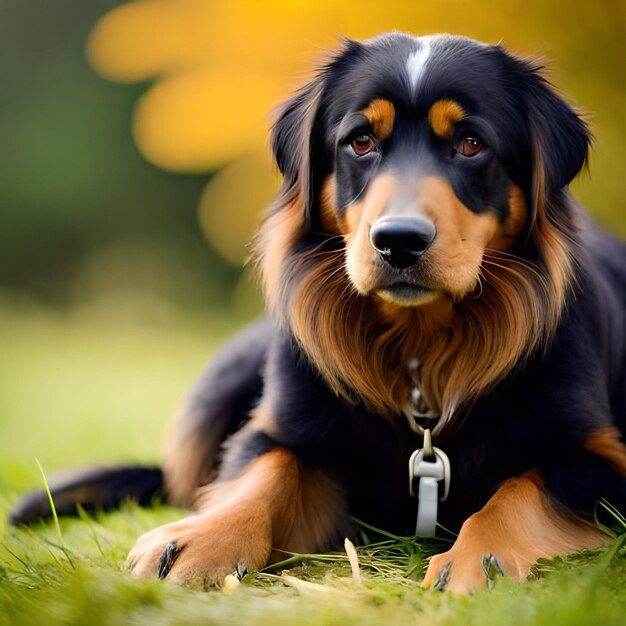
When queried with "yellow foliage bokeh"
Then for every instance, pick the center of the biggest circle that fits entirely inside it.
(230, 204)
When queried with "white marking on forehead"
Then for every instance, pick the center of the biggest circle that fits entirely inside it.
(416, 63)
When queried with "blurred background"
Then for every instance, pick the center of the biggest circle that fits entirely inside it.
(133, 169)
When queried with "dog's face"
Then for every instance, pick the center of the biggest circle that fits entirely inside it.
(422, 157)
(421, 185)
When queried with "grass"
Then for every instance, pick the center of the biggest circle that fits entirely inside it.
(76, 389)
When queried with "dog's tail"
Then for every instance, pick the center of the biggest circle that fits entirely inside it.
(95, 489)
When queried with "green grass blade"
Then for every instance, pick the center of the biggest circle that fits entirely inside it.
(55, 517)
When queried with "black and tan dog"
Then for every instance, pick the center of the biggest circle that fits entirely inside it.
(424, 219)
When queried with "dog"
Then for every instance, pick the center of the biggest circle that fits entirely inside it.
(429, 278)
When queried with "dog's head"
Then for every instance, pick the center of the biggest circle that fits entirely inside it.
(426, 164)
(421, 153)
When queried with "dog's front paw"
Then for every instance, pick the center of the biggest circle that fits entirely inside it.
(463, 572)
(477, 558)
(201, 550)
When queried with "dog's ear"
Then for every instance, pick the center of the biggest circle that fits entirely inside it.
(559, 144)
(560, 137)
(293, 138)
(297, 134)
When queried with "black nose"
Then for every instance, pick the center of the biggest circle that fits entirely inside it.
(401, 240)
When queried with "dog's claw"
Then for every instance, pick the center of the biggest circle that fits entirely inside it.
(442, 579)
(168, 558)
(493, 569)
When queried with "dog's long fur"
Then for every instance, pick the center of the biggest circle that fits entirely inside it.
(514, 314)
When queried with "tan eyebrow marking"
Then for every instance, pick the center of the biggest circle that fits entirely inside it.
(443, 115)
(380, 114)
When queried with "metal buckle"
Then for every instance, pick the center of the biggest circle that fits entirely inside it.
(430, 473)
(431, 465)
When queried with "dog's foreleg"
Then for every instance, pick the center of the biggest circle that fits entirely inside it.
(518, 525)
(275, 504)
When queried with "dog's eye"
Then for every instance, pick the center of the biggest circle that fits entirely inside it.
(469, 146)
(362, 144)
